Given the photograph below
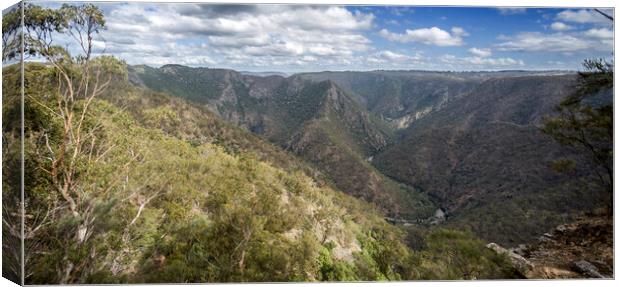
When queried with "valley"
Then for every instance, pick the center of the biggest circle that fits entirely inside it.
(411, 142)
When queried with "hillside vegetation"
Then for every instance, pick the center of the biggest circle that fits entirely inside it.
(484, 159)
(183, 197)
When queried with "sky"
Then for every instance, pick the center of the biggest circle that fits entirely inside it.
(301, 38)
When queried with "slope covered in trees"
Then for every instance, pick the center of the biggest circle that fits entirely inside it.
(485, 160)
(184, 203)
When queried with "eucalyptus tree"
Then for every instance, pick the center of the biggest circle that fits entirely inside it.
(584, 122)
(68, 152)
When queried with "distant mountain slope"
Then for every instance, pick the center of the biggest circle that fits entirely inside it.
(341, 139)
(264, 74)
(392, 95)
(402, 97)
(317, 120)
(484, 160)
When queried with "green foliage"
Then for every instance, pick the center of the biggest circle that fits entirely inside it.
(198, 86)
(11, 175)
(584, 122)
(110, 65)
(213, 216)
(39, 25)
(80, 22)
(84, 16)
(161, 117)
(11, 26)
(333, 269)
(383, 257)
(216, 216)
(479, 154)
(458, 255)
(73, 184)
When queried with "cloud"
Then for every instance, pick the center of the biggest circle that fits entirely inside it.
(559, 26)
(383, 56)
(584, 16)
(511, 10)
(480, 52)
(556, 42)
(310, 38)
(429, 36)
(480, 62)
(602, 33)
(212, 34)
(458, 31)
(195, 9)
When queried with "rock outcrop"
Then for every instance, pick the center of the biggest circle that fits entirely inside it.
(587, 268)
(523, 265)
(582, 249)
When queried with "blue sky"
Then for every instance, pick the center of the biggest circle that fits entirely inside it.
(315, 38)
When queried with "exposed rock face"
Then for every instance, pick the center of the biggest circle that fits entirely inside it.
(523, 265)
(439, 217)
(587, 268)
(583, 249)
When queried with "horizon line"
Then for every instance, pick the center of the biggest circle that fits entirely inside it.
(5, 64)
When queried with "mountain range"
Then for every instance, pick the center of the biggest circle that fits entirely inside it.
(410, 142)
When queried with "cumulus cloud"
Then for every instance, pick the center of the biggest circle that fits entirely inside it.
(306, 37)
(429, 36)
(602, 33)
(559, 26)
(584, 16)
(480, 52)
(267, 34)
(556, 42)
